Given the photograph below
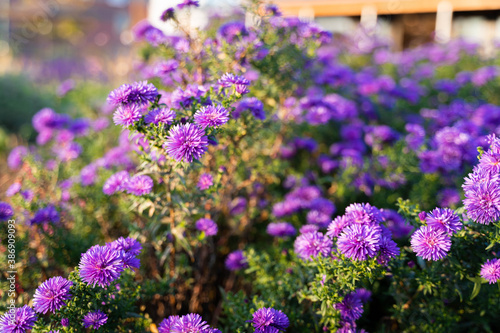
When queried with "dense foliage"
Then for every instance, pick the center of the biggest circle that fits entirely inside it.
(263, 177)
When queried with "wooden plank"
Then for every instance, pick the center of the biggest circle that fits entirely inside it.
(384, 7)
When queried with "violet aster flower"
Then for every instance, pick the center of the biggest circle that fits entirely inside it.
(127, 115)
(24, 320)
(162, 115)
(445, 219)
(16, 156)
(100, 265)
(189, 3)
(48, 214)
(308, 228)
(236, 260)
(395, 223)
(88, 174)
(6, 211)
(121, 95)
(351, 307)
(116, 183)
(312, 244)
(359, 241)
(69, 151)
(281, 229)
(363, 214)
(166, 325)
(228, 79)
(186, 142)
(448, 197)
(128, 245)
(95, 319)
(490, 270)
(319, 218)
(13, 189)
(482, 202)
(208, 226)
(52, 295)
(336, 226)
(205, 181)
(430, 243)
(65, 322)
(139, 185)
(267, 320)
(211, 116)
(191, 322)
(167, 15)
(252, 104)
(388, 248)
(143, 92)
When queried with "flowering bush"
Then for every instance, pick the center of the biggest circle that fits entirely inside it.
(264, 177)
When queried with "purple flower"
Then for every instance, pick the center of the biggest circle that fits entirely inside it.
(319, 218)
(79, 127)
(95, 319)
(24, 320)
(482, 201)
(137, 93)
(167, 15)
(236, 260)
(157, 116)
(395, 223)
(308, 228)
(312, 244)
(228, 79)
(191, 322)
(238, 206)
(48, 214)
(269, 320)
(448, 197)
(166, 325)
(490, 270)
(351, 307)
(189, 3)
(430, 243)
(127, 115)
(336, 226)
(65, 322)
(186, 142)
(359, 241)
(363, 214)
(13, 189)
(68, 152)
(47, 119)
(52, 294)
(16, 156)
(444, 219)
(281, 229)
(100, 265)
(231, 30)
(208, 226)
(88, 174)
(252, 104)
(6, 211)
(388, 248)
(65, 87)
(127, 245)
(116, 183)
(139, 185)
(121, 95)
(211, 116)
(205, 181)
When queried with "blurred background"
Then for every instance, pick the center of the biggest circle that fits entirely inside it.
(44, 43)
